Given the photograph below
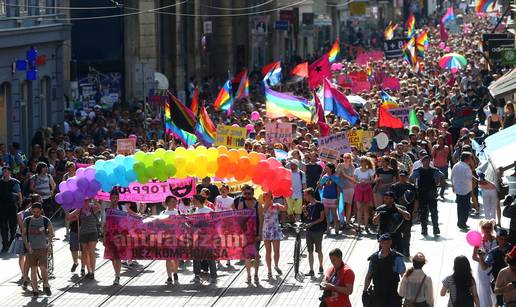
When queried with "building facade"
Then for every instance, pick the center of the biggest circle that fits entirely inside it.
(34, 57)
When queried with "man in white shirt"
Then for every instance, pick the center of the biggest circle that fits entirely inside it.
(295, 202)
(462, 184)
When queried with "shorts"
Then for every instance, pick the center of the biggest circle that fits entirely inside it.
(348, 195)
(38, 257)
(74, 241)
(314, 239)
(330, 203)
(19, 246)
(363, 192)
(294, 206)
(88, 237)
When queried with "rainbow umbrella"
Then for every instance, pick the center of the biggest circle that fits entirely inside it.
(453, 61)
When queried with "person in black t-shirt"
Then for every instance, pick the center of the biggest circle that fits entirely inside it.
(313, 174)
(389, 217)
(10, 198)
(405, 194)
(206, 183)
(314, 216)
(495, 259)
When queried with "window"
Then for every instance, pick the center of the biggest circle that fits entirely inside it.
(2, 8)
(23, 6)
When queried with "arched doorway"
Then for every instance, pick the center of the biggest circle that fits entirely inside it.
(5, 101)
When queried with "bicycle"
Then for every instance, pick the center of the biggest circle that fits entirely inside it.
(297, 227)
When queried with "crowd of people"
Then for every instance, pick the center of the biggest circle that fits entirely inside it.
(375, 193)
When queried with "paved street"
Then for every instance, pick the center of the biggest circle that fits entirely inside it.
(144, 285)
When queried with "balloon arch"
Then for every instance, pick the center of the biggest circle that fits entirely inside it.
(162, 164)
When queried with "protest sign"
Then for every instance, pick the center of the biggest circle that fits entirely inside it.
(355, 138)
(153, 192)
(391, 83)
(367, 140)
(229, 136)
(125, 146)
(338, 142)
(210, 236)
(402, 114)
(278, 133)
(328, 155)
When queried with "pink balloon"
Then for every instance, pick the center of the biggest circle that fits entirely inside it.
(249, 128)
(454, 70)
(474, 238)
(133, 136)
(447, 49)
(442, 45)
(255, 116)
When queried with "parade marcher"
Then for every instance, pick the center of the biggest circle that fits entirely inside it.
(316, 220)
(461, 178)
(295, 202)
(385, 269)
(489, 197)
(495, 259)
(206, 184)
(36, 233)
(405, 194)
(461, 285)
(505, 280)
(200, 208)
(247, 201)
(485, 292)
(224, 202)
(88, 233)
(339, 280)
(364, 191)
(43, 184)
(389, 217)
(272, 234)
(171, 265)
(313, 173)
(427, 179)
(10, 199)
(19, 246)
(345, 170)
(329, 184)
(114, 204)
(385, 176)
(510, 212)
(416, 287)
(440, 153)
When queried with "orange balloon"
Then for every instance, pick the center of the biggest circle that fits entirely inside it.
(221, 173)
(233, 155)
(232, 169)
(223, 160)
(244, 163)
(240, 175)
(222, 150)
(242, 152)
(254, 157)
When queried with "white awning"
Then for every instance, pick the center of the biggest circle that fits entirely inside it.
(505, 85)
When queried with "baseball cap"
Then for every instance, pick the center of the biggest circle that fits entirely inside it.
(387, 237)
(500, 232)
(425, 157)
(403, 173)
(388, 193)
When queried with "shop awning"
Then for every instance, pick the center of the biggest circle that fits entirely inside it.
(500, 148)
(504, 85)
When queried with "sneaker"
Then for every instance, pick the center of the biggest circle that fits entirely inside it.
(83, 272)
(35, 294)
(213, 280)
(256, 279)
(311, 273)
(436, 231)
(321, 270)
(269, 275)
(249, 279)
(74, 267)
(25, 284)
(116, 282)
(424, 232)
(176, 278)
(278, 270)
(169, 281)
(196, 280)
(125, 264)
(47, 291)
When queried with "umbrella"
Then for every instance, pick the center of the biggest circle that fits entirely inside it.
(453, 61)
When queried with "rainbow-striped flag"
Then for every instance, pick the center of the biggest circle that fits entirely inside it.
(195, 101)
(186, 138)
(283, 105)
(389, 31)
(388, 101)
(205, 129)
(481, 6)
(184, 118)
(422, 43)
(448, 16)
(243, 87)
(411, 26)
(409, 52)
(225, 98)
(334, 51)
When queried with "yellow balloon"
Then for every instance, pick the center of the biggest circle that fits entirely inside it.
(180, 151)
(139, 155)
(160, 153)
(190, 169)
(222, 150)
(180, 174)
(201, 150)
(254, 157)
(212, 154)
(169, 157)
(242, 152)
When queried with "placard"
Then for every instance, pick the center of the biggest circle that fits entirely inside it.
(402, 114)
(355, 138)
(229, 136)
(338, 142)
(125, 146)
(328, 155)
(278, 133)
(367, 140)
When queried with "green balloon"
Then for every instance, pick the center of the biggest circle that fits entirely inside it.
(171, 170)
(139, 168)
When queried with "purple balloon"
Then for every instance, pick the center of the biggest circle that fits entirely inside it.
(67, 197)
(94, 185)
(63, 186)
(89, 173)
(72, 184)
(78, 197)
(59, 198)
(83, 184)
(80, 172)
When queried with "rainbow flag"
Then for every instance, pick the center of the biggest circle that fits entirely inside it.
(186, 138)
(224, 99)
(422, 43)
(272, 74)
(282, 105)
(388, 101)
(388, 34)
(481, 6)
(336, 102)
(205, 129)
(411, 26)
(409, 52)
(243, 87)
(195, 101)
(334, 51)
(448, 16)
(184, 118)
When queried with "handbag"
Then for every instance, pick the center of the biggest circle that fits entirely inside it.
(503, 190)
(367, 297)
(414, 304)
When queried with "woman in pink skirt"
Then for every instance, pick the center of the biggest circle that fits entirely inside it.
(364, 175)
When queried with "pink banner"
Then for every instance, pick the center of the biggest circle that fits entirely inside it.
(391, 83)
(360, 86)
(210, 236)
(154, 192)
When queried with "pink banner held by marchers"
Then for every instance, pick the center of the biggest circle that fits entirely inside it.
(223, 235)
(391, 83)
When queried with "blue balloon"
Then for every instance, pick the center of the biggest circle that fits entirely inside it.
(101, 176)
(109, 166)
(130, 176)
(123, 183)
(106, 187)
(99, 164)
(113, 179)
(119, 171)
(119, 159)
(129, 163)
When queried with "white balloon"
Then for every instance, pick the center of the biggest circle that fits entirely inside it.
(382, 140)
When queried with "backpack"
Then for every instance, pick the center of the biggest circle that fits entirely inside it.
(27, 223)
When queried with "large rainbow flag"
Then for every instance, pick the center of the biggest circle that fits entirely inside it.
(283, 105)
(411, 26)
(195, 101)
(205, 129)
(186, 138)
(225, 98)
(334, 51)
(422, 43)
(481, 6)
